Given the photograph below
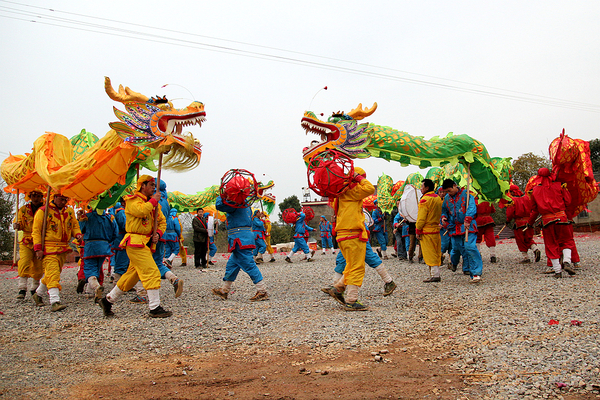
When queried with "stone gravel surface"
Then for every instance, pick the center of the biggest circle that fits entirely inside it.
(498, 332)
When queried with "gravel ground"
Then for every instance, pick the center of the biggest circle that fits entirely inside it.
(496, 332)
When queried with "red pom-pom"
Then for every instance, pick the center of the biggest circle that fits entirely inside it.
(309, 213)
(239, 188)
(289, 216)
(330, 173)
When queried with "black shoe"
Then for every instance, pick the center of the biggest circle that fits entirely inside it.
(106, 307)
(160, 312)
(389, 288)
(356, 306)
(21, 294)
(493, 259)
(538, 255)
(567, 267)
(558, 275)
(337, 295)
(80, 285)
(211, 263)
(466, 273)
(272, 260)
(433, 279)
(288, 260)
(379, 253)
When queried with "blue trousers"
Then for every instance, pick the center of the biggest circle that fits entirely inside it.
(158, 256)
(212, 248)
(472, 262)
(242, 259)
(92, 267)
(371, 258)
(261, 246)
(300, 244)
(171, 248)
(381, 237)
(401, 247)
(326, 242)
(121, 261)
(446, 242)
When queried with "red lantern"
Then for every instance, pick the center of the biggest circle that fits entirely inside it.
(239, 188)
(329, 173)
(309, 213)
(289, 216)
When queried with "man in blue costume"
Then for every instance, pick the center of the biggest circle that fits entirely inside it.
(212, 231)
(241, 244)
(299, 241)
(326, 234)
(379, 230)
(99, 231)
(258, 230)
(458, 218)
(171, 237)
(399, 223)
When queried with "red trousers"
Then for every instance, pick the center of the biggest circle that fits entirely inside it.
(524, 239)
(486, 232)
(557, 237)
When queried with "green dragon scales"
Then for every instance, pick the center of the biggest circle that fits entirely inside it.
(343, 133)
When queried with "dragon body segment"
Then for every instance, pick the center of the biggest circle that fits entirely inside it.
(343, 133)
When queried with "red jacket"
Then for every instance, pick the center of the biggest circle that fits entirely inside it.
(519, 210)
(550, 200)
(484, 211)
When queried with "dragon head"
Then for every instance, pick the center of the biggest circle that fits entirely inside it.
(341, 132)
(154, 121)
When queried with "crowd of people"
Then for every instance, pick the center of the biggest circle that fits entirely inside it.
(142, 236)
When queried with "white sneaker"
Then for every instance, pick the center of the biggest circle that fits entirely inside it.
(476, 279)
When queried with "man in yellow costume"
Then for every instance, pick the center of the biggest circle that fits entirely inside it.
(61, 226)
(29, 265)
(428, 229)
(267, 222)
(352, 239)
(140, 209)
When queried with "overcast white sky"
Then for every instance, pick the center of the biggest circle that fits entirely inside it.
(423, 62)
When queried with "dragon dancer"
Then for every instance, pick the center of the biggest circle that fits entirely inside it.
(241, 245)
(551, 200)
(485, 228)
(520, 210)
(352, 236)
(300, 229)
(171, 237)
(29, 265)
(99, 230)
(458, 217)
(326, 229)
(140, 210)
(428, 229)
(212, 231)
(61, 226)
(379, 230)
(267, 223)
(258, 230)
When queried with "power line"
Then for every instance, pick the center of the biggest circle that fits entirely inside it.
(139, 35)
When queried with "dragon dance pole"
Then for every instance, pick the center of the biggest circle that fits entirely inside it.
(45, 222)
(16, 241)
(468, 195)
(155, 226)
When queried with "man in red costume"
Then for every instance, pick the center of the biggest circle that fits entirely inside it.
(520, 210)
(550, 200)
(485, 228)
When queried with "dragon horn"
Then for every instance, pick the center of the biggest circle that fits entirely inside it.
(125, 95)
(359, 113)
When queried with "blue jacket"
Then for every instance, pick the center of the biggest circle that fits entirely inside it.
(377, 220)
(299, 226)
(239, 221)
(258, 227)
(98, 233)
(325, 228)
(456, 213)
(173, 229)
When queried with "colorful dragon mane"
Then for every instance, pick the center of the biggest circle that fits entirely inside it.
(343, 133)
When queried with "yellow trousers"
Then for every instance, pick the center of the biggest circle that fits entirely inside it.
(141, 268)
(431, 247)
(354, 251)
(29, 265)
(52, 264)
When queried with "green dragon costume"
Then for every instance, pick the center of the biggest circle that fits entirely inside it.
(343, 133)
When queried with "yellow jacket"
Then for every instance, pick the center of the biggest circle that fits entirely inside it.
(61, 226)
(430, 212)
(139, 214)
(26, 224)
(350, 220)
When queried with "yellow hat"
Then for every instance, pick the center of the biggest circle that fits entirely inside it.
(141, 180)
(360, 171)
